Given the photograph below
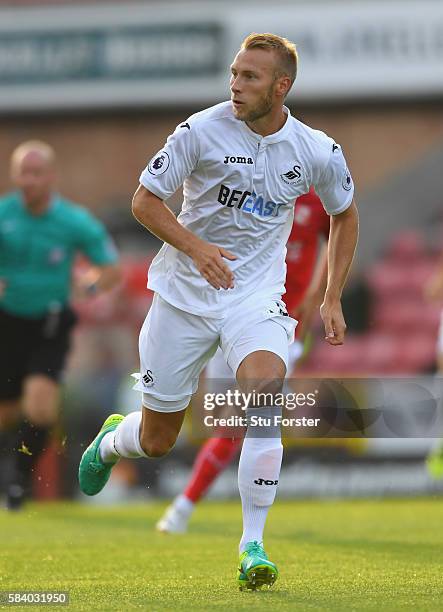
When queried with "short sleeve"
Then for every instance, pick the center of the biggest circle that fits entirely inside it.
(334, 185)
(95, 242)
(169, 168)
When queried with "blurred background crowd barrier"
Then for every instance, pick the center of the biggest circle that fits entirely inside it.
(106, 82)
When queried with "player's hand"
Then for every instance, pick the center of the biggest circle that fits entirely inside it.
(2, 287)
(335, 326)
(208, 259)
(85, 284)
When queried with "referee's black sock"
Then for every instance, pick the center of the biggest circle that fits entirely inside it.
(31, 441)
(7, 439)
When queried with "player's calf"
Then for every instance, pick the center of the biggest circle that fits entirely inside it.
(159, 431)
(155, 447)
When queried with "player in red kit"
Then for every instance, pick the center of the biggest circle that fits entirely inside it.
(305, 283)
(305, 286)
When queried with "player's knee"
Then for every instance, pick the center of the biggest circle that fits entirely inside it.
(40, 401)
(262, 372)
(41, 415)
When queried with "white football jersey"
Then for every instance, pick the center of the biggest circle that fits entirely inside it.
(239, 190)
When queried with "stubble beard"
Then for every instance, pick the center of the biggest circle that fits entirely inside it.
(261, 110)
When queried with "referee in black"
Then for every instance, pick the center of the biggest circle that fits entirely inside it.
(40, 236)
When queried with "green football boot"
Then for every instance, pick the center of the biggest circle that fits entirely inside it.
(93, 474)
(255, 570)
(434, 462)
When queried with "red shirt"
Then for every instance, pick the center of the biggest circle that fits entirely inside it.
(310, 222)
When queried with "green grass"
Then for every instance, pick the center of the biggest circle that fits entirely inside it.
(336, 555)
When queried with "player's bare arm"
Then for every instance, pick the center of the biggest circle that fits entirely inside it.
(152, 213)
(314, 294)
(341, 248)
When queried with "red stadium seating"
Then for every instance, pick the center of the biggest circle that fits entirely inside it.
(403, 326)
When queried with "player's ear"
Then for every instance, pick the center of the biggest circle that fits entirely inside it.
(283, 85)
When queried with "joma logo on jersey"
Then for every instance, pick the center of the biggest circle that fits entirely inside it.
(248, 202)
(238, 160)
(293, 176)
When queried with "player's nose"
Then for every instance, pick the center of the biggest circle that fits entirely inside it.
(235, 86)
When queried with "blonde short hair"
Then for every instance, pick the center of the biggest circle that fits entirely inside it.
(39, 146)
(285, 49)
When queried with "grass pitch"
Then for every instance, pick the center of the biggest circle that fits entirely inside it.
(334, 555)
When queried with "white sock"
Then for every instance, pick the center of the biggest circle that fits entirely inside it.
(258, 473)
(124, 441)
(184, 505)
(108, 454)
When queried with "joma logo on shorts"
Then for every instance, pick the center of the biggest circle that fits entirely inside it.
(262, 481)
(238, 160)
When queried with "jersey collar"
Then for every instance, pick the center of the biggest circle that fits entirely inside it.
(282, 133)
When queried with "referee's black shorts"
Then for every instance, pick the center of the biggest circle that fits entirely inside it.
(32, 346)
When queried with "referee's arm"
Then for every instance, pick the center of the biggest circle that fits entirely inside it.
(99, 278)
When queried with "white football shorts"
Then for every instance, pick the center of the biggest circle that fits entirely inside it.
(217, 367)
(176, 345)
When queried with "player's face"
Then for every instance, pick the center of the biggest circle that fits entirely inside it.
(253, 84)
(34, 175)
